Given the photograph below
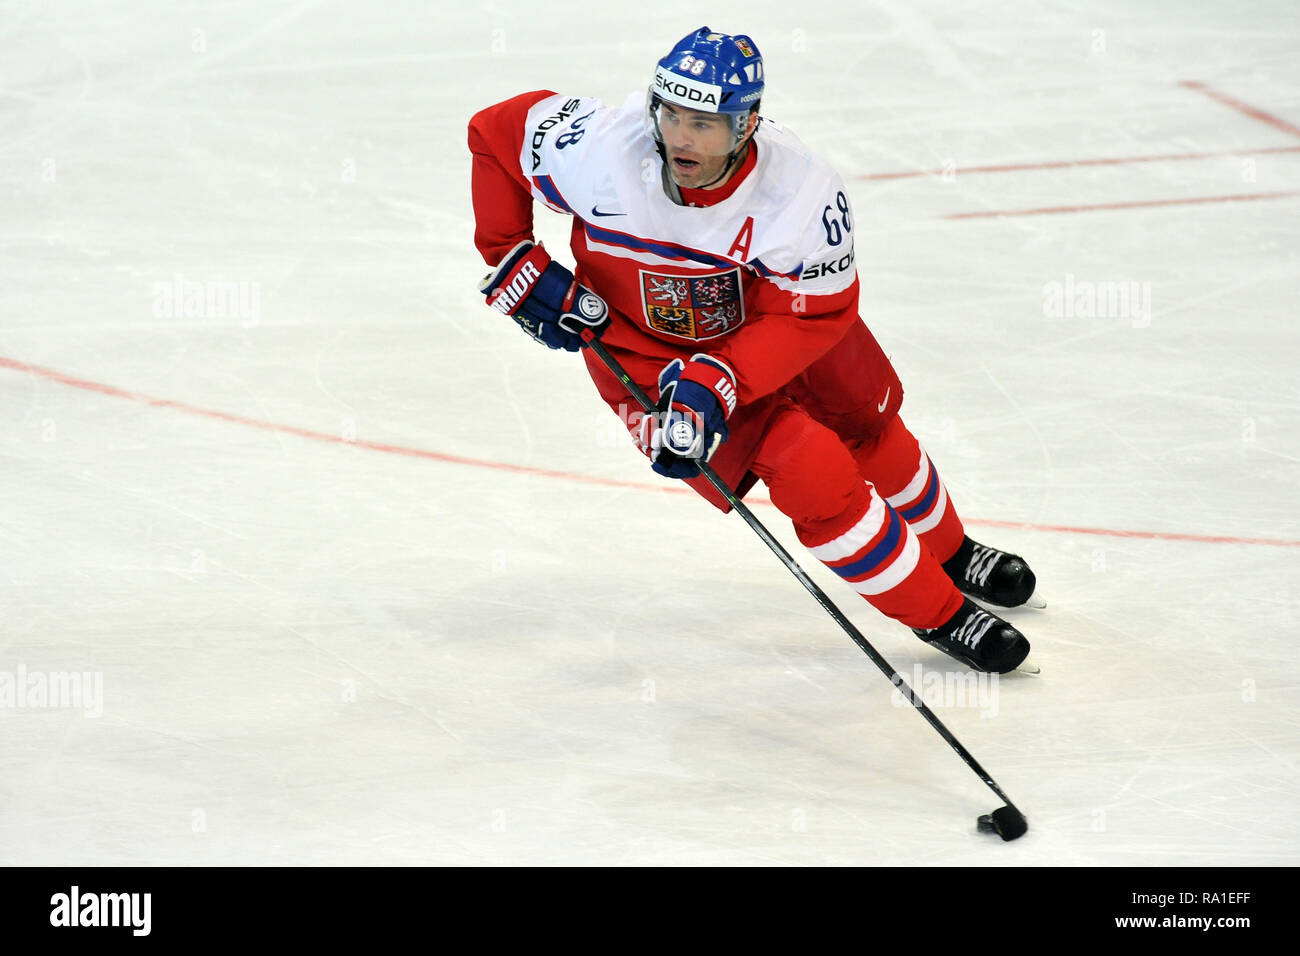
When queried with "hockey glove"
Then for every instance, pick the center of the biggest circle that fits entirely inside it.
(544, 298)
(695, 400)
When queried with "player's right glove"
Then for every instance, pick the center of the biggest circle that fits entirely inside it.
(544, 298)
(690, 420)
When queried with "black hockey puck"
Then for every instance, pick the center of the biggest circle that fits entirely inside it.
(1007, 822)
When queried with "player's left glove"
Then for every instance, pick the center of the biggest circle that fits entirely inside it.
(695, 400)
(544, 298)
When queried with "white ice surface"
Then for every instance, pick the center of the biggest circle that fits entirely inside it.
(317, 651)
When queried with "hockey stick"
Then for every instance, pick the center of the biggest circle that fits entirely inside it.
(1007, 821)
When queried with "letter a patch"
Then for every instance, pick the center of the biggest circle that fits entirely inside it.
(741, 243)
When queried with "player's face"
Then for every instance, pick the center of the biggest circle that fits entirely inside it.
(696, 143)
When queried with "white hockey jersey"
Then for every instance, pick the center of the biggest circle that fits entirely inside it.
(764, 279)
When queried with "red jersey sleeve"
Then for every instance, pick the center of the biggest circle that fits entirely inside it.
(503, 205)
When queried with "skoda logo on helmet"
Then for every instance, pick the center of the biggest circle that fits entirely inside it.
(686, 92)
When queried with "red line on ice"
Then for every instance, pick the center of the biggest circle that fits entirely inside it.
(113, 391)
(1068, 163)
(1236, 104)
(1134, 204)
(1254, 113)
(103, 389)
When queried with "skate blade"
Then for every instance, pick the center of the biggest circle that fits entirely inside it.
(1027, 666)
(1034, 601)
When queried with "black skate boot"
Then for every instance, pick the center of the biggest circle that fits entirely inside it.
(990, 575)
(978, 639)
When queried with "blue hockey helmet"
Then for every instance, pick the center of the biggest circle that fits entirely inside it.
(712, 73)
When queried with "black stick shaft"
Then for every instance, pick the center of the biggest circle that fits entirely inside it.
(827, 604)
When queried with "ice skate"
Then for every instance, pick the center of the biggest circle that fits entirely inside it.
(992, 576)
(979, 640)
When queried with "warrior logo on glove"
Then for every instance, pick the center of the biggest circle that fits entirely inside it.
(539, 294)
(508, 297)
(591, 306)
(690, 422)
(681, 436)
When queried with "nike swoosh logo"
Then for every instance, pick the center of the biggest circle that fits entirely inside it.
(597, 212)
(885, 400)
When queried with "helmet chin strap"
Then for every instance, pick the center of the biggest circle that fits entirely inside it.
(671, 189)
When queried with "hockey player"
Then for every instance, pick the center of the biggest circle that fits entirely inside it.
(715, 260)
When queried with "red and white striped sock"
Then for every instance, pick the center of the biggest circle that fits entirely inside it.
(898, 466)
(881, 558)
(815, 481)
